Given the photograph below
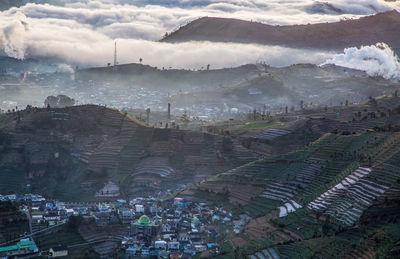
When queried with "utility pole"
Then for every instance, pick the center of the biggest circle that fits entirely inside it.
(169, 111)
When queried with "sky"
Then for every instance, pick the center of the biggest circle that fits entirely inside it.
(83, 32)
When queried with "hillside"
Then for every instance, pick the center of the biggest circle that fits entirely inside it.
(201, 92)
(382, 27)
(87, 152)
(171, 79)
(246, 86)
(337, 197)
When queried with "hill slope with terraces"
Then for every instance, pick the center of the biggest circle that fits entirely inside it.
(93, 152)
(331, 196)
(381, 27)
(337, 197)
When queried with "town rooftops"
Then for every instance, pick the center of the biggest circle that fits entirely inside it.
(25, 242)
(144, 220)
(59, 248)
(22, 244)
(8, 248)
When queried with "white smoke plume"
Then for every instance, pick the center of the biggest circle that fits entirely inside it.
(375, 60)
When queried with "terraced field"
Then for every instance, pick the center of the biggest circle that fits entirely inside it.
(272, 134)
(269, 253)
(154, 165)
(71, 153)
(335, 191)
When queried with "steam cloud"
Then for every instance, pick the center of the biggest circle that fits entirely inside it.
(83, 32)
(375, 60)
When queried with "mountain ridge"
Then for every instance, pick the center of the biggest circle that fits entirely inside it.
(368, 30)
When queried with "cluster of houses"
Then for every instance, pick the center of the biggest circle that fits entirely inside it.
(106, 93)
(178, 228)
(173, 229)
(43, 213)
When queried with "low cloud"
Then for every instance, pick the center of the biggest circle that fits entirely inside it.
(375, 60)
(358, 7)
(83, 32)
(189, 55)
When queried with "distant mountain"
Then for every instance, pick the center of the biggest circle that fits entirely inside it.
(7, 4)
(381, 27)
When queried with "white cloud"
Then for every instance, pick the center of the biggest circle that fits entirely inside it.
(362, 6)
(83, 31)
(376, 60)
(177, 55)
(12, 35)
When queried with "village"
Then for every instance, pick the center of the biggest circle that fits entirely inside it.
(144, 227)
(102, 92)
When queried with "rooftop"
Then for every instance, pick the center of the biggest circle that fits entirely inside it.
(144, 220)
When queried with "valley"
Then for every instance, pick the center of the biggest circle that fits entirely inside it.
(253, 130)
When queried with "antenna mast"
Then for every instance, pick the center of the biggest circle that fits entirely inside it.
(115, 56)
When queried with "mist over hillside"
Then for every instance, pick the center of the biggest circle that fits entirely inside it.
(212, 93)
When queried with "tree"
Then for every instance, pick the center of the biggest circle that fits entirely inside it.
(59, 101)
(140, 60)
(51, 101)
(185, 118)
(64, 101)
